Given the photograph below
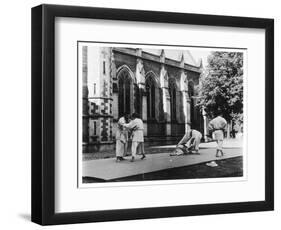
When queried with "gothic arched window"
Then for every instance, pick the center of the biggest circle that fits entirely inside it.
(124, 93)
(173, 100)
(191, 94)
(150, 95)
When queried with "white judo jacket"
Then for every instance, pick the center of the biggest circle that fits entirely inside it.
(192, 133)
(218, 123)
(136, 126)
(121, 132)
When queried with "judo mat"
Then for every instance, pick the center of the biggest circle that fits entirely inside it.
(109, 169)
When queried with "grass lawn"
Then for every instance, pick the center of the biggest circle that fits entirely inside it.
(231, 167)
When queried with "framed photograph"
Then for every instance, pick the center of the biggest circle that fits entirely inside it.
(143, 114)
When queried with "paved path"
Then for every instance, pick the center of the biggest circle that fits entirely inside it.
(108, 169)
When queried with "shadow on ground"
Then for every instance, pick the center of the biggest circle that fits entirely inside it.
(25, 216)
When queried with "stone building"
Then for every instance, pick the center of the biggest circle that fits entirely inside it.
(158, 84)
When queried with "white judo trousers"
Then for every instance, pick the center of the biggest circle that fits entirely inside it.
(192, 137)
(136, 126)
(218, 136)
(121, 138)
(121, 148)
(217, 126)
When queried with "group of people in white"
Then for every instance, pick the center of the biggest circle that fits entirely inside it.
(133, 126)
(192, 138)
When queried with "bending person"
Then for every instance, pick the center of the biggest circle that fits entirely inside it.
(189, 142)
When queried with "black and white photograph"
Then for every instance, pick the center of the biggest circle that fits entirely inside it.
(160, 113)
(146, 114)
(139, 115)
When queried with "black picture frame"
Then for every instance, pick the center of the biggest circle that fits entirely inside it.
(43, 113)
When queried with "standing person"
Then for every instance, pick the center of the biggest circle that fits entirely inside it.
(190, 140)
(136, 125)
(217, 126)
(121, 138)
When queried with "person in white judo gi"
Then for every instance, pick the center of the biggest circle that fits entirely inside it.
(217, 126)
(189, 142)
(136, 126)
(122, 138)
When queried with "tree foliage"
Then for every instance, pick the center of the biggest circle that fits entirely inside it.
(222, 85)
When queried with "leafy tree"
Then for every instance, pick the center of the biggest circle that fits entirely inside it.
(222, 86)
